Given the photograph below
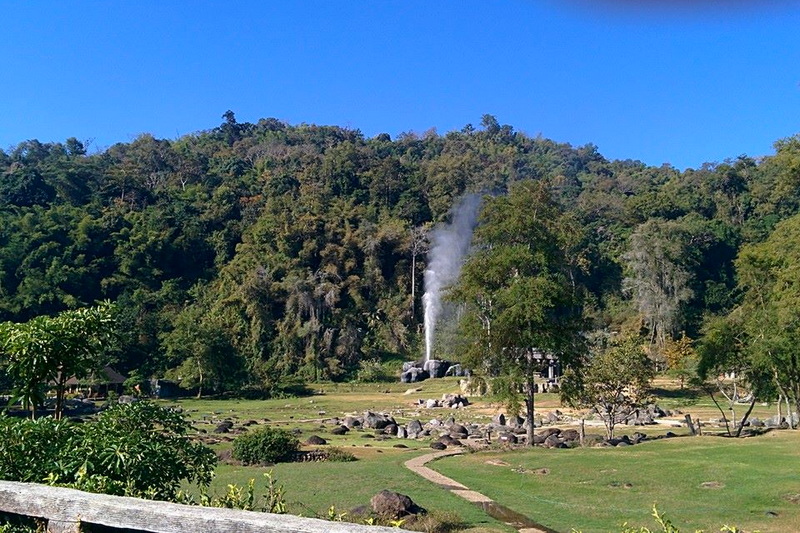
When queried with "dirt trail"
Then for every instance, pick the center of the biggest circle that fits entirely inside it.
(522, 523)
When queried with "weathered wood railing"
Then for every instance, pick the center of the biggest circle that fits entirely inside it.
(66, 509)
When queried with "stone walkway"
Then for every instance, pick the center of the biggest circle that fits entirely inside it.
(417, 465)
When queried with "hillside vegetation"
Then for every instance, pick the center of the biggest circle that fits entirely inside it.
(248, 254)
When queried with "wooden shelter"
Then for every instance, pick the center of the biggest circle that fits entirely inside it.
(98, 384)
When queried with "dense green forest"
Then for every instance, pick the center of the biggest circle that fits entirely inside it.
(249, 253)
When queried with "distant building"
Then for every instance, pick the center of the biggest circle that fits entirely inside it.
(99, 384)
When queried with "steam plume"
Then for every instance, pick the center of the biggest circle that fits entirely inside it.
(449, 245)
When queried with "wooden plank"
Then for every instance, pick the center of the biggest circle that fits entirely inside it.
(63, 505)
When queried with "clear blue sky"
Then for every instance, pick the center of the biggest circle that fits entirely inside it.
(678, 84)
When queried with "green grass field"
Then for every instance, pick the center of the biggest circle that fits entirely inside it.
(312, 488)
(750, 483)
(698, 482)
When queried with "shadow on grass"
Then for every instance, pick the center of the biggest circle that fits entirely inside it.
(677, 394)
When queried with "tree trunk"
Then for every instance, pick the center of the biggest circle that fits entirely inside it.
(796, 411)
(721, 411)
(60, 392)
(529, 392)
(744, 418)
(200, 380)
(610, 422)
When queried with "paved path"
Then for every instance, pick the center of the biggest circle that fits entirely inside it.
(417, 465)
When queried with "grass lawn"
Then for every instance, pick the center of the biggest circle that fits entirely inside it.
(311, 488)
(748, 482)
(698, 482)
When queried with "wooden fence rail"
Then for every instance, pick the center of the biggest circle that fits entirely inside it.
(65, 509)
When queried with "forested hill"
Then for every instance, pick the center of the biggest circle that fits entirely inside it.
(266, 250)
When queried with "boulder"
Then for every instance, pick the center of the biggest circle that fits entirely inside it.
(499, 419)
(401, 432)
(436, 368)
(414, 428)
(376, 420)
(458, 431)
(552, 441)
(393, 504)
(414, 375)
(339, 430)
(621, 441)
(549, 431)
(436, 445)
(446, 439)
(408, 365)
(642, 418)
(456, 370)
(351, 422)
(224, 427)
(570, 435)
(454, 400)
(774, 421)
(315, 440)
(508, 438)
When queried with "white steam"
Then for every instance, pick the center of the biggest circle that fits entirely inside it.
(449, 245)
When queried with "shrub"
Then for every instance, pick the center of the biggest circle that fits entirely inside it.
(339, 455)
(137, 449)
(143, 450)
(372, 371)
(265, 445)
(33, 450)
(435, 522)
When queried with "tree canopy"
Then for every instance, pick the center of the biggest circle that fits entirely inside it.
(521, 290)
(296, 250)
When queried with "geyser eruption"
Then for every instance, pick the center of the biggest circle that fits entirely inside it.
(449, 245)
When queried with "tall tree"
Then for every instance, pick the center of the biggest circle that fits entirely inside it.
(726, 368)
(769, 278)
(658, 281)
(523, 301)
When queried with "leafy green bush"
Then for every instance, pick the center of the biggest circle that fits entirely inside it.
(143, 450)
(339, 455)
(137, 449)
(265, 445)
(373, 371)
(35, 450)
